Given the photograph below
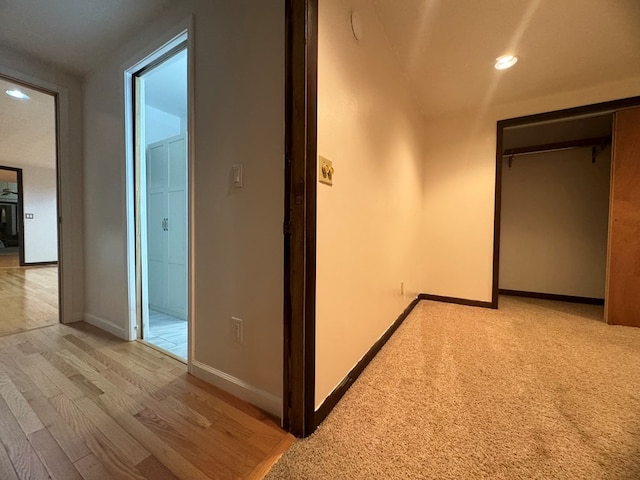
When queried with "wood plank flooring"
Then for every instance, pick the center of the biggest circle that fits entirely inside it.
(77, 403)
(29, 298)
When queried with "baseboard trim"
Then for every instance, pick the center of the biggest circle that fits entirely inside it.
(235, 386)
(458, 301)
(552, 296)
(107, 326)
(334, 397)
(39, 264)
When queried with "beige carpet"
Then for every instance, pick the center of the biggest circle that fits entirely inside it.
(536, 389)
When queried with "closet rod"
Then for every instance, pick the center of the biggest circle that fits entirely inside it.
(554, 147)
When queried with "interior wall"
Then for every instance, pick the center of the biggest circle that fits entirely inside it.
(39, 198)
(459, 183)
(160, 125)
(237, 243)
(554, 223)
(69, 88)
(368, 221)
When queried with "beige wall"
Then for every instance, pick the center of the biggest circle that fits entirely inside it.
(368, 221)
(460, 184)
(69, 89)
(238, 243)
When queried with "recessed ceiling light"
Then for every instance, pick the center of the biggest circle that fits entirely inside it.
(505, 61)
(15, 93)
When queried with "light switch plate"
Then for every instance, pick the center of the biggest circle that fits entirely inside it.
(325, 171)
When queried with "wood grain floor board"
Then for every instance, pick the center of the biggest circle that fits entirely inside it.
(118, 368)
(30, 298)
(227, 449)
(20, 408)
(92, 469)
(77, 403)
(153, 469)
(52, 457)
(7, 471)
(72, 444)
(182, 444)
(158, 447)
(98, 442)
(24, 459)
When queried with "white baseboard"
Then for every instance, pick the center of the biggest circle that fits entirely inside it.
(103, 324)
(237, 387)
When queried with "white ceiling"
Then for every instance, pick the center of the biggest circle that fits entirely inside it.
(165, 86)
(27, 128)
(447, 48)
(72, 34)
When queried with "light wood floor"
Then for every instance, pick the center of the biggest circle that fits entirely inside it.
(78, 403)
(28, 298)
(9, 259)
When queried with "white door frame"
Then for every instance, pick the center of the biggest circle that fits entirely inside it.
(182, 31)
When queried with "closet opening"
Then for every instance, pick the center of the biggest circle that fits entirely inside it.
(554, 197)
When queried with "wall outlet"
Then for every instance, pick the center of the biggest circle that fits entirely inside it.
(237, 334)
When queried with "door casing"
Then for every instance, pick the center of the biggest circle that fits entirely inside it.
(597, 108)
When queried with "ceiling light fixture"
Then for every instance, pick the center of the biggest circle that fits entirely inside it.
(505, 61)
(15, 93)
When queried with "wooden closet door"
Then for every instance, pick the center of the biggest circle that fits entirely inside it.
(622, 305)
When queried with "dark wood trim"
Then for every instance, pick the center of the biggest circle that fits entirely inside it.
(332, 400)
(458, 301)
(497, 206)
(39, 264)
(20, 212)
(301, 77)
(593, 109)
(549, 147)
(553, 296)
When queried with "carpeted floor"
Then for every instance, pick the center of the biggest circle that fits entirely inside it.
(534, 390)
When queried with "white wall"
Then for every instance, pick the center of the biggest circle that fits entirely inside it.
(68, 87)
(39, 198)
(160, 125)
(460, 185)
(369, 220)
(238, 242)
(554, 223)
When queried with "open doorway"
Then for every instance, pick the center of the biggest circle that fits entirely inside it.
(554, 201)
(162, 183)
(29, 232)
(555, 206)
(11, 242)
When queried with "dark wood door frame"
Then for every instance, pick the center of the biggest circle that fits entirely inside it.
(592, 109)
(20, 212)
(301, 70)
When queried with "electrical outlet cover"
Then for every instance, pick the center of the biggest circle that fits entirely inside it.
(325, 171)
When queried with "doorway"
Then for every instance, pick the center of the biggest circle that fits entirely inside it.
(553, 198)
(11, 242)
(29, 228)
(162, 185)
